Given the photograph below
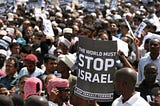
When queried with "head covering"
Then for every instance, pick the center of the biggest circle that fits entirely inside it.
(59, 31)
(4, 44)
(65, 42)
(3, 52)
(32, 86)
(3, 32)
(7, 38)
(59, 14)
(19, 3)
(10, 16)
(67, 30)
(21, 41)
(68, 59)
(57, 83)
(31, 57)
(93, 14)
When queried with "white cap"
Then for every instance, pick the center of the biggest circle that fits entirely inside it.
(3, 32)
(7, 38)
(4, 52)
(59, 14)
(93, 14)
(68, 59)
(116, 17)
(65, 42)
(10, 16)
(68, 30)
(4, 44)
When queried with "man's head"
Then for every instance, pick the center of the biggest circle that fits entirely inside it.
(66, 62)
(32, 86)
(50, 62)
(64, 44)
(62, 86)
(24, 51)
(5, 101)
(29, 31)
(30, 62)
(125, 80)
(36, 100)
(17, 99)
(154, 46)
(48, 77)
(150, 72)
(11, 66)
(67, 32)
(21, 83)
(15, 48)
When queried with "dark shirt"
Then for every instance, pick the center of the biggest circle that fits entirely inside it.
(9, 82)
(146, 89)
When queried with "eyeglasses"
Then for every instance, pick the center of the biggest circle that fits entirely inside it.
(63, 89)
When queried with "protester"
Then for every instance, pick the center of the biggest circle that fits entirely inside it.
(36, 100)
(153, 57)
(31, 67)
(17, 99)
(150, 82)
(45, 87)
(50, 63)
(32, 86)
(65, 63)
(6, 101)
(125, 81)
(58, 90)
(54, 28)
(155, 101)
(20, 85)
(11, 78)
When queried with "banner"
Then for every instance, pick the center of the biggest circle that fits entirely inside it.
(48, 27)
(35, 3)
(140, 29)
(96, 66)
(6, 6)
(90, 5)
(113, 4)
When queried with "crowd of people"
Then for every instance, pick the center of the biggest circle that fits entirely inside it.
(39, 48)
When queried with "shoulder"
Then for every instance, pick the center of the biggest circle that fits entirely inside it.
(144, 58)
(116, 102)
(52, 104)
(3, 77)
(142, 102)
(139, 100)
(23, 69)
(39, 70)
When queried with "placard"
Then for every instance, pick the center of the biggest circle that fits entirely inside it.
(96, 66)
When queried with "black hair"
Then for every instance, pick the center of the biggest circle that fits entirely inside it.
(49, 56)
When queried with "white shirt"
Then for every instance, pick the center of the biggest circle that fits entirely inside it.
(36, 73)
(145, 60)
(55, 104)
(135, 100)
